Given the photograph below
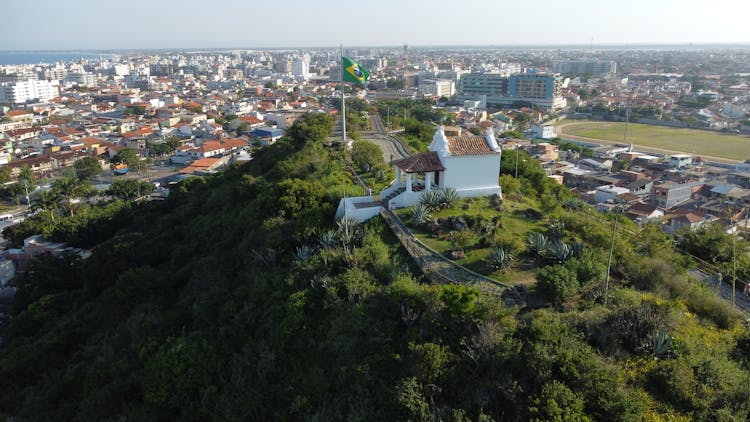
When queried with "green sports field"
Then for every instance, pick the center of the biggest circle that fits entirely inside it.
(690, 141)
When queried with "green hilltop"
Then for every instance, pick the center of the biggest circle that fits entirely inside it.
(240, 298)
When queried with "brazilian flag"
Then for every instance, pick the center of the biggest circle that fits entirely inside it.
(353, 72)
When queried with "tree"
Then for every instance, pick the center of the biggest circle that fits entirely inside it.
(47, 202)
(395, 83)
(558, 403)
(158, 150)
(4, 174)
(242, 128)
(129, 189)
(70, 188)
(367, 156)
(522, 122)
(87, 168)
(129, 157)
(27, 176)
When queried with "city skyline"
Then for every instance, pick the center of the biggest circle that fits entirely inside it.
(226, 24)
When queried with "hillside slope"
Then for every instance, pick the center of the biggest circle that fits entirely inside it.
(239, 298)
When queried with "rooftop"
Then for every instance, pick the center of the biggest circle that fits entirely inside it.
(420, 163)
(468, 145)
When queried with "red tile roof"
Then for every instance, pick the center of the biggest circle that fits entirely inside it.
(468, 145)
(420, 163)
(17, 113)
(232, 143)
(251, 120)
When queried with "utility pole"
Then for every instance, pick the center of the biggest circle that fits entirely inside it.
(734, 259)
(517, 146)
(627, 119)
(609, 261)
(26, 186)
(343, 107)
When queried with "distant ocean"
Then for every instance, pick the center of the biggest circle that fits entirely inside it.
(41, 57)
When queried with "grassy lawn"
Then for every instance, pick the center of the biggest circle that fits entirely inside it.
(376, 183)
(521, 271)
(691, 141)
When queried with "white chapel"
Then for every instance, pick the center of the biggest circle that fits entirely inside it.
(469, 164)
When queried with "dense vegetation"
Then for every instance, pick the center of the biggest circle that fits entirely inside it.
(239, 298)
(418, 118)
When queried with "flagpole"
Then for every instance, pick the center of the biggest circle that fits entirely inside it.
(343, 106)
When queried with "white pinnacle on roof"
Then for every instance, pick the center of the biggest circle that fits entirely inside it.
(439, 143)
(489, 136)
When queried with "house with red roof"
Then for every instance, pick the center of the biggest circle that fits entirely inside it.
(19, 115)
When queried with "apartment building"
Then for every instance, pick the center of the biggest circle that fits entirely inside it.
(539, 89)
(20, 92)
(583, 67)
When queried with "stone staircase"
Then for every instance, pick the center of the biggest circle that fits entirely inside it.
(392, 195)
(440, 269)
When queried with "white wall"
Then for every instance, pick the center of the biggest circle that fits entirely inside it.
(359, 214)
(471, 173)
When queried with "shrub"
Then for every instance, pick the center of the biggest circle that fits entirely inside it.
(462, 239)
(509, 242)
(556, 282)
(509, 184)
(587, 266)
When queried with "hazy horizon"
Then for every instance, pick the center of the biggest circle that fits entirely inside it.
(390, 46)
(46, 25)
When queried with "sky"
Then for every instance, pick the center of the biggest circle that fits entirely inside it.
(203, 24)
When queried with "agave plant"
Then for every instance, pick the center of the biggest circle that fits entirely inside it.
(499, 258)
(431, 199)
(575, 249)
(559, 251)
(447, 197)
(328, 240)
(661, 344)
(420, 214)
(303, 253)
(348, 230)
(537, 243)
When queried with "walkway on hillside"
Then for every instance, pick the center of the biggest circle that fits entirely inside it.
(724, 289)
(440, 269)
(392, 148)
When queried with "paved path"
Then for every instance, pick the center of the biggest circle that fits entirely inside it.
(377, 124)
(724, 290)
(440, 269)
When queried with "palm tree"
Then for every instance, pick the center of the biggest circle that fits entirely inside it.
(47, 201)
(69, 188)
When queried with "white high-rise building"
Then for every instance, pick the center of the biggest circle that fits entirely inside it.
(300, 68)
(23, 91)
(122, 69)
(437, 87)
